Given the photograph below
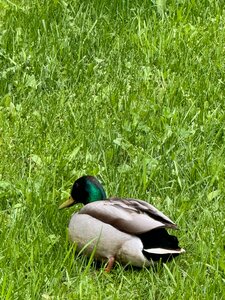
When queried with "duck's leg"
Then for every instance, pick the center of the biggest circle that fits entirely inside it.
(110, 264)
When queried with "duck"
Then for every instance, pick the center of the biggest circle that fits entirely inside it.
(123, 230)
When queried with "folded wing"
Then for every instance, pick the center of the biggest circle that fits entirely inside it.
(128, 215)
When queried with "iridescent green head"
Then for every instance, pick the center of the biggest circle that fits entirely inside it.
(86, 189)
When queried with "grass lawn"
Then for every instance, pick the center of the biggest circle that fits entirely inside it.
(134, 93)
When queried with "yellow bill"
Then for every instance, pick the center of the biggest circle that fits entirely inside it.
(69, 202)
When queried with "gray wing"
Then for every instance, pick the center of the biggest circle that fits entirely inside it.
(128, 215)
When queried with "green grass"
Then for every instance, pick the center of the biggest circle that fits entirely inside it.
(130, 91)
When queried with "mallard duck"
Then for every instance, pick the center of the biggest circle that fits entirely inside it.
(129, 231)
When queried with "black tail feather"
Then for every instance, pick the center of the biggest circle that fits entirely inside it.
(159, 238)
